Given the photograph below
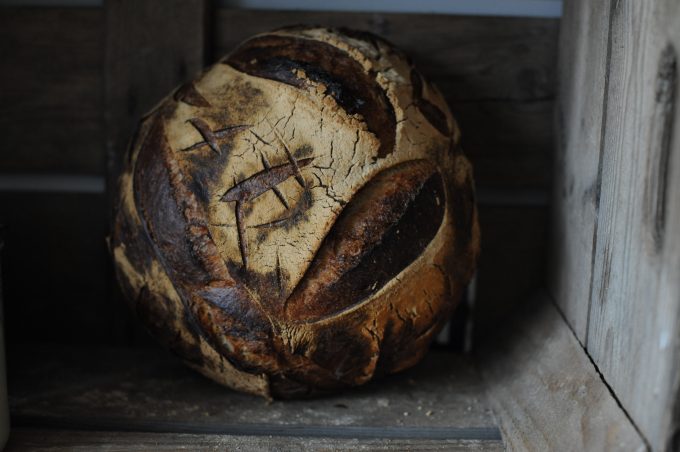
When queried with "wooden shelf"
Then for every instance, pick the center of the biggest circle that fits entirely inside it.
(64, 398)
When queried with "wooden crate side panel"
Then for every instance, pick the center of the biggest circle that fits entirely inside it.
(152, 46)
(634, 329)
(582, 83)
(545, 392)
(51, 101)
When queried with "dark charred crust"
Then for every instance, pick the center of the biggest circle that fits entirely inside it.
(220, 307)
(155, 202)
(206, 167)
(281, 58)
(156, 313)
(391, 228)
(284, 387)
(366, 36)
(188, 94)
(346, 353)
(249, 317)
(200, 190)
(432, 113)
(233, 305)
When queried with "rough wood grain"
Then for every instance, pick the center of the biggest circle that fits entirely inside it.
(469, 58)
(497, 75)
(545, 392)
(148, 391)
(151, 47)
(582, 84)
(59, 440)
(634, 336)
(51, 100)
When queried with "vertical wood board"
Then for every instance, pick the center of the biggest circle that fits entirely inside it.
(545, 392)
(582, 83)
(634, 333)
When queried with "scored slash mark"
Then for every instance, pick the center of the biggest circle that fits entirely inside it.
(278, 193)
(210, 137)
(298, 176)
(257, 184)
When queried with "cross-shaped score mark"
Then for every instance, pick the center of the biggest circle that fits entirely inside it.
(252, 187)
(210, 137)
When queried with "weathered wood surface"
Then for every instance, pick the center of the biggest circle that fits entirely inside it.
(582, 84)
(65, 440)
(634, 334)
(145, 390)
(51, 101)
(545, 392)
(151, 47)
(497, 75)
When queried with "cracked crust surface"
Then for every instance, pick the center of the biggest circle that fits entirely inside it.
(299, 218)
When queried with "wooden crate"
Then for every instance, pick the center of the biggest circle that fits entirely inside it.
(572, 130)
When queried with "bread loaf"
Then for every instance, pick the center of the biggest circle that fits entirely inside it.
(300, 217)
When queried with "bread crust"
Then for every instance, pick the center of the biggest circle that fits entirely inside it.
(300, 217)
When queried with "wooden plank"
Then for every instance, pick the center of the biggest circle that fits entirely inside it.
(544, 390)
(151, 47)
(146, 390)
(59, 440)
(635, 308)
(469, 58)
(512, 263)
(497, 74)
(51, 101)
(583, 67)
(509, 143)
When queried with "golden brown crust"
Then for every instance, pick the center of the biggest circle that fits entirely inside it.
(294, 220)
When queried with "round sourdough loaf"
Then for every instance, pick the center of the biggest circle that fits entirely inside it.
(300, 217)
